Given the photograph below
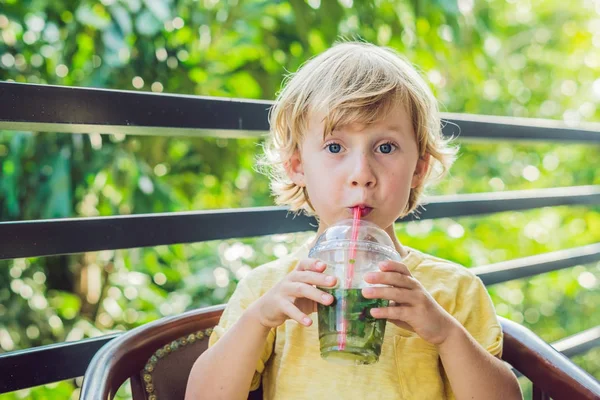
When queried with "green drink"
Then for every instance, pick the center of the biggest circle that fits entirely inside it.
(363, 333)
(348, 334)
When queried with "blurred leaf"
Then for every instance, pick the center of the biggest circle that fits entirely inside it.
(122, 17)
(86, 15)
(67, 305)
(146, 24)
(160, 9)
(244, 84)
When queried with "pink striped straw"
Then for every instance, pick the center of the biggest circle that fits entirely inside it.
(349, 277)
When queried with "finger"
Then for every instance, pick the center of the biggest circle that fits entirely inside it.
(313, 278)
(398, 312)
(395, 266)
(303, 290)
(392, 279)
(311, 264)
(400, 323)
(397, 295)
(294, 313)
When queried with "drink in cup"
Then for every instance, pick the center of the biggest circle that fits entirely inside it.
(348, 334)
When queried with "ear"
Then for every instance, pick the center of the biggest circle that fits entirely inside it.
(295, 169)
(420, 170)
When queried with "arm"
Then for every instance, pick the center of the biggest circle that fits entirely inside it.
(225, 370)
(472, 371)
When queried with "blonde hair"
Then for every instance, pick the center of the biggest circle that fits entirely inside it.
(351, 82)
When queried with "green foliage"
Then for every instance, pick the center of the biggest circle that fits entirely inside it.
(493, 57)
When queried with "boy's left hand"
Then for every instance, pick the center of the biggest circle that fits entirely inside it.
(411, 306)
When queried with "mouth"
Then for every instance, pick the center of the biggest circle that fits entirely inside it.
(364, 209)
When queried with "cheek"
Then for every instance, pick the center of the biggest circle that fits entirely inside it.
(324, 185)
(322, 170)
(325, 181)
(399, 173)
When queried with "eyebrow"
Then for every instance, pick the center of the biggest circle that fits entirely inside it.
(395, 128)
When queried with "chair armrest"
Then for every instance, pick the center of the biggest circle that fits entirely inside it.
(548, 369)
(127, 355)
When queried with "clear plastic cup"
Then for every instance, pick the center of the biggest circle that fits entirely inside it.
(348, 334)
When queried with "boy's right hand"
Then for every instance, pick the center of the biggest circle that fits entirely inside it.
(294, 297)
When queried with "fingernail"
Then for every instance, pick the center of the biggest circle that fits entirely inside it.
(330, 280)
(375, 312)
(368, 291)
(306, 321)
(325, 297)
(321, 264)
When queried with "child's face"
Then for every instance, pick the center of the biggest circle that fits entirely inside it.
(373, 166)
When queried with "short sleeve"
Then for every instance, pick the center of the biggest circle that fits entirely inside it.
(236, 306)
(476, 312)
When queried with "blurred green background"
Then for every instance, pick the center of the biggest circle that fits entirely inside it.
(517, 58)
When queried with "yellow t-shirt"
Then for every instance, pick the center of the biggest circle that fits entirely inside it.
(409, 368)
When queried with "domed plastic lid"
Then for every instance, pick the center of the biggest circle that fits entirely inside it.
(370, 238)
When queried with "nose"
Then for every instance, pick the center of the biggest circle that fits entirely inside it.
(362, 174)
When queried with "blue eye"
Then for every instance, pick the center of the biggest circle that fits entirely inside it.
(386, 148)
(334, 148)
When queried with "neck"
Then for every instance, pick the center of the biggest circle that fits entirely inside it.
(389, 230)
(399, 248)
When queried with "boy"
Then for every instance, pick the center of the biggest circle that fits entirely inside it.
(356, 127)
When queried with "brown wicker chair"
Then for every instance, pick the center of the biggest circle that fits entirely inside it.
(157, 357)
